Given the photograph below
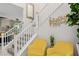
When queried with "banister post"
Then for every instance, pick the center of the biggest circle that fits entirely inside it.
(15, 45)
(2, 43)
(37, 29)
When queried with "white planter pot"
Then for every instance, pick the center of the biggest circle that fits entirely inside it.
(77, 45)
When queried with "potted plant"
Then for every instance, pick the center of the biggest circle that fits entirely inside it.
(52, 40)
(73, 17)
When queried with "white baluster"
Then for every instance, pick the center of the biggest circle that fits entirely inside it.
(31, 31)
(25, 38)
(20, 43)
(6, 38)
(22, 39)
(27, 35)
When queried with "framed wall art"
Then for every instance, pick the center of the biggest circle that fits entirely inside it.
(30, 11)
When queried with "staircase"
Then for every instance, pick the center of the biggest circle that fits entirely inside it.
(16, 40)
(21, 35)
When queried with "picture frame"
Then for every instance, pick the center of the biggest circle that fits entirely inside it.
(30, 11)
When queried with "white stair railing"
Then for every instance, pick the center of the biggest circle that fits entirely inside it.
(16, 40)
(7, 38)
(23, 39)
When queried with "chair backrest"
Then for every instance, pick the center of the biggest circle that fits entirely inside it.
(39, 42)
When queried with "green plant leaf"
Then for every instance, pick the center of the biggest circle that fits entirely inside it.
(77, 6)
(73, 9)
(78, 35)
(73, 16)
(78, 30)
(51, 38)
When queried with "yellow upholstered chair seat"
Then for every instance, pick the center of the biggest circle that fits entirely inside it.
(37, 47)
(61, 48)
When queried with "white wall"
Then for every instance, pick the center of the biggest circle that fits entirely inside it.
(10, 11)
(39, 6)
(63, 32)
(22, 5)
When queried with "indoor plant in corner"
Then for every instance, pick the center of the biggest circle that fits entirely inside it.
(52, 41)
(73, 17)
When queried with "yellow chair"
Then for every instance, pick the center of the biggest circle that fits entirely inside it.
(37, 48)
(61, 48)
